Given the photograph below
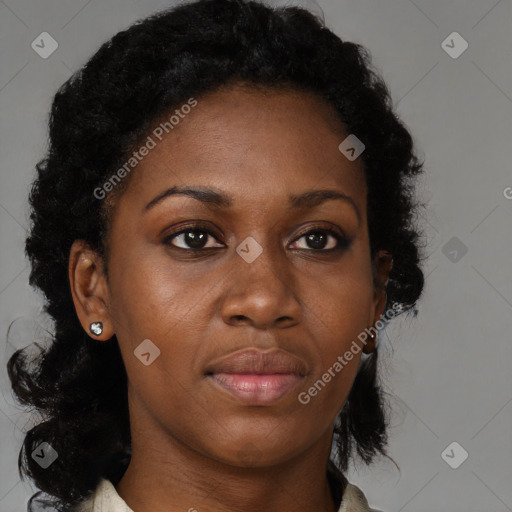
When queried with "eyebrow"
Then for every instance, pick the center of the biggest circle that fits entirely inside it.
(306, 200)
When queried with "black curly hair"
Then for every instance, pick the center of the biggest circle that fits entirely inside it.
(97, 119)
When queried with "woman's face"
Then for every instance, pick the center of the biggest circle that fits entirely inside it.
(266, 275)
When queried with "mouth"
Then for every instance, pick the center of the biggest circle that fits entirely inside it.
(256, 388)
(256, 377)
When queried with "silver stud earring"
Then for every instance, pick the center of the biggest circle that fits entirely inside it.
(96, 328)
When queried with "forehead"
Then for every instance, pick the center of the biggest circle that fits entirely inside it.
(253, 142)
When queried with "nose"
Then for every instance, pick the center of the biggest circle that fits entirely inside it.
(262, 293)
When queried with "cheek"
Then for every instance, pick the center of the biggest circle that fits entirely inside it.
(154, 300)
(151, 297)
(337, 312)
(340, 302)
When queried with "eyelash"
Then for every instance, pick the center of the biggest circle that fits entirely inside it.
(343, 242)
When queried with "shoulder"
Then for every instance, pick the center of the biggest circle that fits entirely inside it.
(104, 498)
(354, 500)
(349, 496)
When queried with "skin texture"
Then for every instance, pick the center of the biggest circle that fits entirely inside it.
(193, 445)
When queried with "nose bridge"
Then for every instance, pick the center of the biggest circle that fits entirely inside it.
(262, 261)
(262, 283)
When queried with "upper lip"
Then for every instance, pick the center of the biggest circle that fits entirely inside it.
(255, 361)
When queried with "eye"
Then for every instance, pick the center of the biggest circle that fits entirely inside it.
(193, 238)
(318, 240)
(198, 238)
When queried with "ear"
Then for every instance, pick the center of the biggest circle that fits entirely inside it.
(89, 289)
(381, 267)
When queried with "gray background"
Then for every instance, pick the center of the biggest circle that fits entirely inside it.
(448, 370)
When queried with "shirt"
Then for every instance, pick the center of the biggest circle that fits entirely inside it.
(106, 499)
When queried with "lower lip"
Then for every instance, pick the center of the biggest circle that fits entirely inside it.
(253, 389)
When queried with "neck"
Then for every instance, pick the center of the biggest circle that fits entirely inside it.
(172, 477)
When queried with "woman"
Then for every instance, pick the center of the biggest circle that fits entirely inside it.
(221, 226)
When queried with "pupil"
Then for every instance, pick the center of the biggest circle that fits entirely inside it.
(197, 241)
(318, 240)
